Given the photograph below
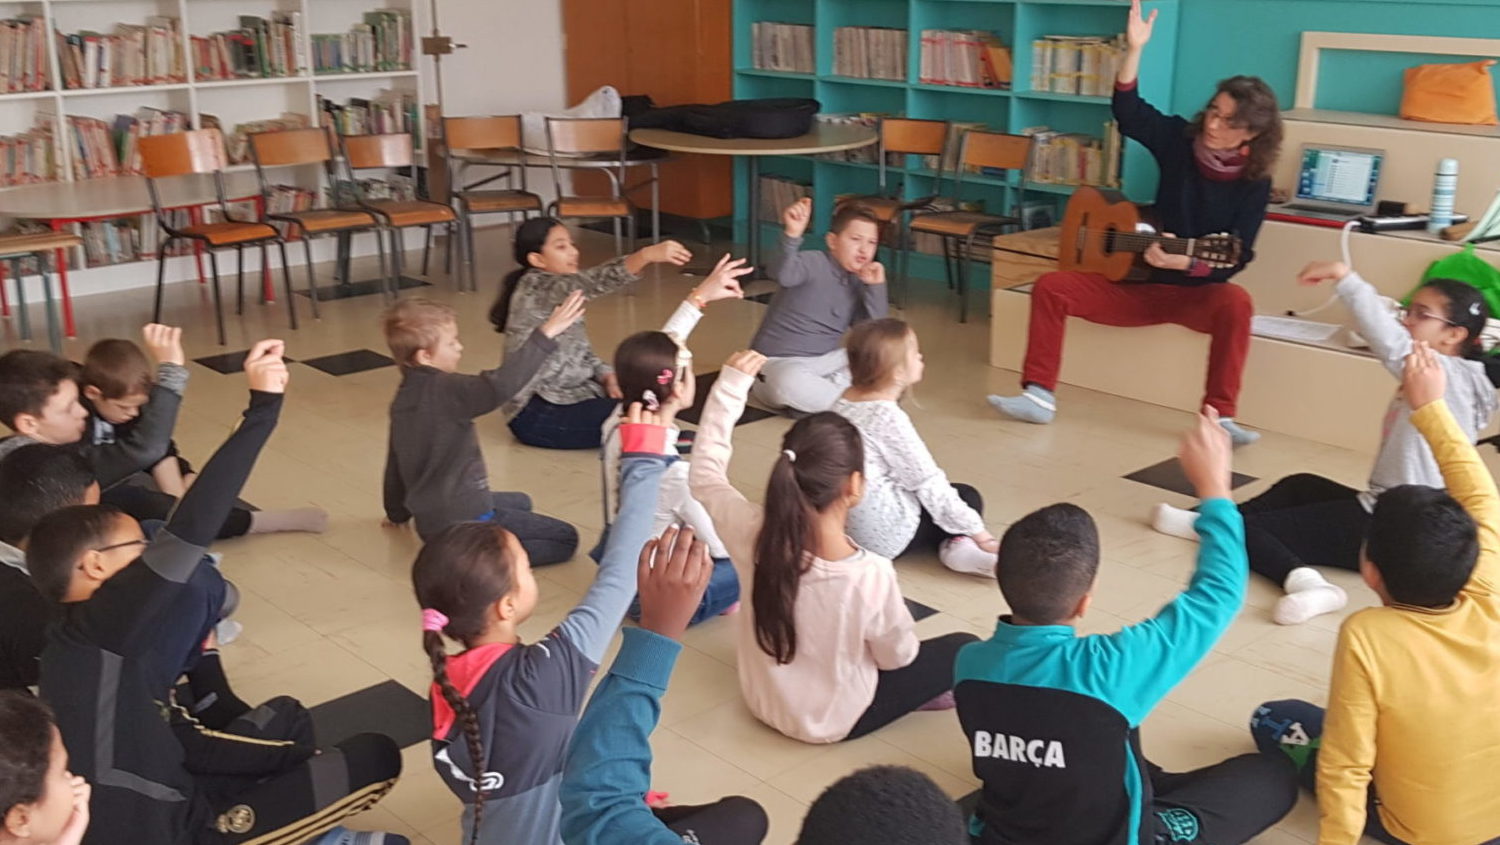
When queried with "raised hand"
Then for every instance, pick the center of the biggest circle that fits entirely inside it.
(1318, 272)
(872, 273)
(673, 573)
(78, 822)
(795, 217)
(723, 282)
(164, 343)
(747, 361)
(667, 252)
(1206, 456)
(565, 314)
(1424, 380)
(265, 366)
(1138, 27)
(638, 414)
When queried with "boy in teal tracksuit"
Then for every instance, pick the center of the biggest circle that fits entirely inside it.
(1053, 718)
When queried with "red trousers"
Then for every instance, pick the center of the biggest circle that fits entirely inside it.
(1222, 310)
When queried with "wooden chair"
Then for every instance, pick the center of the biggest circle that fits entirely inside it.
(903, 136)
(295, 147)
(384, 152)
(16, 247)
(591, 136)
(977, 149)
(490, 134)
(195, 153)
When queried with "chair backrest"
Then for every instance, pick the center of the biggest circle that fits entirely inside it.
(483, 133)
(364, 152)
(182, 153)
(910, 136)
(585, 135)
(996, 150)
(290, 146)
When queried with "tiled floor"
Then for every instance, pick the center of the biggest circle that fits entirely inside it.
(329, 615)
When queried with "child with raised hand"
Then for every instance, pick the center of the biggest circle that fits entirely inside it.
(908, 504)
(819, 296)
(132, 407)
(41, 802)
(107, 672)
(1053, 718)
(574, 392)
(1304, 520)
(434, 468)
(1410, 743)
(609, 760)
(504, 710)
(828, 650)
(655, 369)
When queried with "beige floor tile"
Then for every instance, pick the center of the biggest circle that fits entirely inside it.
(807, 780)
(731, 731)
(785, 813)
(691, 774)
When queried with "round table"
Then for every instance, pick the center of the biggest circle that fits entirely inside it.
(824, 138)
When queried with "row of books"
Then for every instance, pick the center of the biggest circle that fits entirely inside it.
(389, 112)
(139, 237)
(778, 192)
(134, 54)
(23, 55)
(261, 47)
(867, 154)
(237, 142)
(782, 46)
(1082, 65)
(29, 156)
(103, 148)
(382, 42)
(969, 58)
(869, 52)
(1069, 158)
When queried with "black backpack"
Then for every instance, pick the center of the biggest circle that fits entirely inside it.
(767, 118)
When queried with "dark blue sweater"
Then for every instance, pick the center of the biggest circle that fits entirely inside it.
(1188, 204)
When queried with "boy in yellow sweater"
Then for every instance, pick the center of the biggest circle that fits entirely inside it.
(1411, 745)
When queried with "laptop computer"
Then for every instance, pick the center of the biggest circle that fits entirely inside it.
(1336, 182)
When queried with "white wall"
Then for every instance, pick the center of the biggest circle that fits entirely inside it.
(514, 61)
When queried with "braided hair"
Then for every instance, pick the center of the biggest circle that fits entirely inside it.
(461, 573)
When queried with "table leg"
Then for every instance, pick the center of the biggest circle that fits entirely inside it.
(54, 337)
(4, 299)
(195, 216)
(21, 310)
(69, 327)
(655, 203)
(752, 239)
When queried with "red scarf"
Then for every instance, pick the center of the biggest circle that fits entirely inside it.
(1220, 165)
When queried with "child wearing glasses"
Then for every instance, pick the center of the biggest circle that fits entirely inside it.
(1304, 521)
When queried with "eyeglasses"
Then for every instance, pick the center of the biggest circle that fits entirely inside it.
(1231, 121)
(124, 545)
(1417, 315)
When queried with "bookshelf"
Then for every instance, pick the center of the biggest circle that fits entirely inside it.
(289, 86)
(1017, 23)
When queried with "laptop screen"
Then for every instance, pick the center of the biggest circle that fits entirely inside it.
(1339, 175)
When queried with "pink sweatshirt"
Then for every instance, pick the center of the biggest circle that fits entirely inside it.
(851, 621)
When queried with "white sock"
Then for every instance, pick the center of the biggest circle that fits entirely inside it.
(962, 554)
(1175, 522)
(312, 520)
(1308, 594)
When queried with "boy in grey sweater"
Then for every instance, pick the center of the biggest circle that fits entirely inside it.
(821, 295)
(434, 470)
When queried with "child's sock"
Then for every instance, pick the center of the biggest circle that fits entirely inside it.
(227, 631)
(214, 701)
(344, 836)
(1034, 405)
(962, 554)
(311, 520)
(942, 702)
(731, 610)
(1308, 594)
(1237, 435)
(1175, 522)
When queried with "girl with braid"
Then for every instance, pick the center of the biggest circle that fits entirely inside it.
(503, 710)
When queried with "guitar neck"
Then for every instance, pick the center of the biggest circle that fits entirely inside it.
(1139, 242)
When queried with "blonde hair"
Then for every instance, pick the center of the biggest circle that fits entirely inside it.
(412, 325)
(876, 348)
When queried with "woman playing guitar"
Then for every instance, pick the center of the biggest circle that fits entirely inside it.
(1214, 178)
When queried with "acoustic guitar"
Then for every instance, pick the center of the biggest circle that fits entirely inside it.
(1102, 232)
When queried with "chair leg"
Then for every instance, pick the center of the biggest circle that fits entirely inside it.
(398, 260)
(966, 264)
(616, 224)
(385, 276)
(452, 245)
(312, 282)
(4, 298)
(54, 331)
(239, 282)
(21, 309)
(161, 276)
(286, 277)
(213, 265)
(426, 249)
(472, 250)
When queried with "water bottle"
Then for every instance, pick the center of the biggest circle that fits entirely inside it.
(1444, 183)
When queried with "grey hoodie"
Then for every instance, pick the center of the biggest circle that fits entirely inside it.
(1404, 457)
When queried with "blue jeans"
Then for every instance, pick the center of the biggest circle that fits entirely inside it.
(551, 426)
(723, 587)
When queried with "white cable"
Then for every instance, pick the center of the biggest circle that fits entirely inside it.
(1348, 262)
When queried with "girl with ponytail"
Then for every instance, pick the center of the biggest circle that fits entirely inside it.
(828, 649)
(503, 710)
(1306, 520)
(574, 392)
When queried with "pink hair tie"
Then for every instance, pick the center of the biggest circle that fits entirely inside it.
(433, 620)
(665, 377)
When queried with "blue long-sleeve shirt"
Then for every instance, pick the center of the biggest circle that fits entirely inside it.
(1052, 717)
(609, 764)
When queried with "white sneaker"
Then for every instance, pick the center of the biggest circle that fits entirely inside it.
(962, 554)
(227, 631)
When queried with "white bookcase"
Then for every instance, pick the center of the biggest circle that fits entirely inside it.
(233, 101)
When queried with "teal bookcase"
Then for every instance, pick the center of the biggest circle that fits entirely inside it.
(1017, 22)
